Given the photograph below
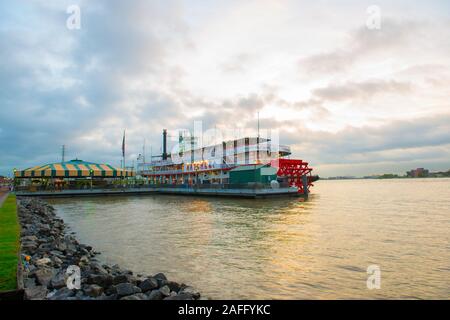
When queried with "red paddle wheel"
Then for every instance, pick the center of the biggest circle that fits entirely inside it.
(294, 170)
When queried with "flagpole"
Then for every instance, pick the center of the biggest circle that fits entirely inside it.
(123, 149)
(143, 151)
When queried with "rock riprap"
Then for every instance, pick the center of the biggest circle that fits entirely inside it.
(48, 251)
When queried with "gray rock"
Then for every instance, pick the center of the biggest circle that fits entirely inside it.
(44, 246)
(132, 297)
(142, 296)
(129, 272)
(72, 298)
(107, 297)
(58, 280)
(84, 260)
(173, 286)
(121, 278)
(29, 282)
(93, 290)
(124, 289)
(165, 290)
(29, 238)
(148, 284)
(189, 290)
(160, 276)
(62, 294)
(100, 279)
(155, 295)
(107, 268)
(116, 269)
(57, 253)
(36, 293)
(43, 262)
(29, 246)
(61, 246)
(44, 229)
(57, 261)
(44, 276)
(137, 289)
(182, 296)
(111, 290)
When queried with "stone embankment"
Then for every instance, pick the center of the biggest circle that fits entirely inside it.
(51, 253)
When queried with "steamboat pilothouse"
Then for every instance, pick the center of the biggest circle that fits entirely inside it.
(245, 163)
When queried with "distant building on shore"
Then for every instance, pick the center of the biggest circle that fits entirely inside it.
(4, 181)
(418, 173)
(373, 176)
(439, 174)
(342, 178)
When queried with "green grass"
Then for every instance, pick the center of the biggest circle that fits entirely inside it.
(9, 244)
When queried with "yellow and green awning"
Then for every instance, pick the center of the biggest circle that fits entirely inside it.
(74, 169)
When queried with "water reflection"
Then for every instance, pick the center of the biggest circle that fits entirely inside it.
(281, 248)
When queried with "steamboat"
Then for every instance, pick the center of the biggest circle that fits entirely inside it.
(248, 166)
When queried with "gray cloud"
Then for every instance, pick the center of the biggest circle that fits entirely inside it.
(59, 86)
(361, 90)
(362, 44)
(397, 140)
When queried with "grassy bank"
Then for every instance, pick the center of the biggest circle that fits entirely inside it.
(9, 244)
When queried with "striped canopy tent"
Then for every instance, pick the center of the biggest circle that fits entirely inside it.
(73, 169)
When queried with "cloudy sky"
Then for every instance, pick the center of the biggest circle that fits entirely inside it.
(349, 99)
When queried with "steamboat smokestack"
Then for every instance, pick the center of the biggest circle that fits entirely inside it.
(164, 154)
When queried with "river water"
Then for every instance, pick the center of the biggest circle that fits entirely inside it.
(282, 248)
